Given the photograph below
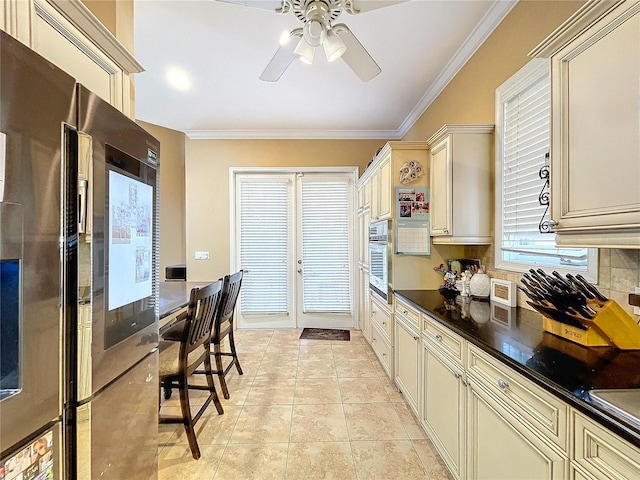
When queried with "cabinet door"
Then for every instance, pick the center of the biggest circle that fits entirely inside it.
(443, 410)
(375, 193)
(363, 305)
(385, 199)
(501, 448)
(407, 363)
(441, 178)
(596, 141)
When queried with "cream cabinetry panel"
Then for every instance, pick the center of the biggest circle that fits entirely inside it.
(381, 348)
(601, 453)
(500, 447)
(449, 343)
(443, 414)
(70, 36)
(385, 197)
(541, 410)
(363, 304)
(595, 151)
(461, 158)
(407, 350)
(410, 315)
(382, 331)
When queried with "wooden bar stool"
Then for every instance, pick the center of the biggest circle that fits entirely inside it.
(184, 350)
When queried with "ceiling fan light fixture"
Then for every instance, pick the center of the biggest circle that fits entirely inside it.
(314, 32)
(304, 51)
(333, 45)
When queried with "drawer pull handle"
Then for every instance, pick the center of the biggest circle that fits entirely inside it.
(384, 323)
(405, 312)
(465, 383)
(384, 354)
(457, 374)
(416, 338)
(438, 337)
(503, 384)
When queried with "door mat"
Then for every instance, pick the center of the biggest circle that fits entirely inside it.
(325, 334)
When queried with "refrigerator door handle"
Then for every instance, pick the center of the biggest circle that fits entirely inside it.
(85, 162)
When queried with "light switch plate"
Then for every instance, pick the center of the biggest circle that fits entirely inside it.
(202, 255)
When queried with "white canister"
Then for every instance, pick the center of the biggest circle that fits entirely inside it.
(480, 285)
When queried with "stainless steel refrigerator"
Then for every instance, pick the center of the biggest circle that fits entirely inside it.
(79, 225)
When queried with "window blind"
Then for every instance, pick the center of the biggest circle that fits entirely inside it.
(525, 142)
(325, 246)
(264, 245)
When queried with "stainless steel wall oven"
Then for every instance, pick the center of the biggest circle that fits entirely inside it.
(380, 254)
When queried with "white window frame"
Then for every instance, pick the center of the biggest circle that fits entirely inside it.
(520, 81)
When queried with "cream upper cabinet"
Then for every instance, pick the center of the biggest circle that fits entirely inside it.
(461, 163)
(383, 175)
(71, 37)
(595, 146)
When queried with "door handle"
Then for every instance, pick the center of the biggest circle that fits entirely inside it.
(299, 270)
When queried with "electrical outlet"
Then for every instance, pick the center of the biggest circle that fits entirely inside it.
(636, 310)
(202, 255)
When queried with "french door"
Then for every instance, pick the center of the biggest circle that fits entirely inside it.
(294, 241)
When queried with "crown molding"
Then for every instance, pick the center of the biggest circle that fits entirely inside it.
(292, 134)
(498, 11)
(494, 16)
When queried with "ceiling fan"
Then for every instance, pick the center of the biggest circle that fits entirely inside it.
(318, 28)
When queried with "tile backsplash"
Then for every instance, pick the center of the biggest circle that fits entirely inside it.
(618, 273)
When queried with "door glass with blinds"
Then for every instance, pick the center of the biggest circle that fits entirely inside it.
(325, 239)
(265, 242)
(523, 115)
(294, 242)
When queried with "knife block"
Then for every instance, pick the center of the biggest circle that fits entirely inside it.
(611, 326)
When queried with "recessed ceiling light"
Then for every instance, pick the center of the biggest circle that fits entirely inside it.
(178, 78)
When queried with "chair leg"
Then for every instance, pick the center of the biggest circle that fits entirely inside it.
(187, 418)
(220, 370)
(232, 344)
(212, 386)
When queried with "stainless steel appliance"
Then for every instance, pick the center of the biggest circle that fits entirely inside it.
(380, 255)
(78, 251)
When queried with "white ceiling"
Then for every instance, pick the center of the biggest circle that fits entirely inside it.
(223, 48)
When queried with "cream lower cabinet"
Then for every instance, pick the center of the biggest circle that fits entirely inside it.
(382, 332)
(443, 414)
(363, 303)
(501, 447)
(595, 150)
(407, 350)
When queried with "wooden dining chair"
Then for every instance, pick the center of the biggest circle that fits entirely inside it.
(181, 356)
(223, 327)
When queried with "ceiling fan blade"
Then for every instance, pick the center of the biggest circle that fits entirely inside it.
(360, 6)
(356, 55)
(272, 5)
(282, 58)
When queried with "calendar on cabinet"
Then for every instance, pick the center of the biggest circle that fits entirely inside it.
(412, 225)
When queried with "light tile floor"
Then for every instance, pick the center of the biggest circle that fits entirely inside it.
(303, 410)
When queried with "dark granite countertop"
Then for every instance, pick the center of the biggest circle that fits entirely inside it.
(175, 296)
(515, 336)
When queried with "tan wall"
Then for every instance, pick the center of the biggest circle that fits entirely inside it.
(207, 180)
(172, 195)
(469, 97)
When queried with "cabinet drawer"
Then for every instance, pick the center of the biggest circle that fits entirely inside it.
(600, 452)
(408, 313)
(537, 407)
(381, 347)
(444, 339)
(381, 317)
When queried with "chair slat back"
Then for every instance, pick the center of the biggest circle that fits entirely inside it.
(230, 293)
(201, 313)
